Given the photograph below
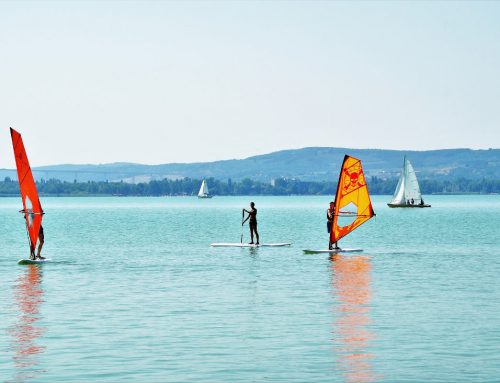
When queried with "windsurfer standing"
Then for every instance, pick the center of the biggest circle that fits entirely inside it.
(252, 222)
(330, 215)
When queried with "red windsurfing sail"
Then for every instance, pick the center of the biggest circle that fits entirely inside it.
(352, 201)
(32, 209)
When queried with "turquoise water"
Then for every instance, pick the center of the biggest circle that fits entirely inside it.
(135, 293)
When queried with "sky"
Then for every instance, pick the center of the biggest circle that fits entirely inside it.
(159, 82)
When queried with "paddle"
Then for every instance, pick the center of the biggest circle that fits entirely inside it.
(242, 223)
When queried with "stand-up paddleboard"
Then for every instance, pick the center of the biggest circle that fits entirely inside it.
(333, 251)
(352, 205)
(33, 261)
(224, 244)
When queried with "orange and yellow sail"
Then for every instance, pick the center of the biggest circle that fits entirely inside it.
(32, 209)
(352, 199)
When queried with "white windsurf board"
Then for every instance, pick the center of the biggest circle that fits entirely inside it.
(33, 261)
(333, 251)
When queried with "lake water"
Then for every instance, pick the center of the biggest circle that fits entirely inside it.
(136, 294)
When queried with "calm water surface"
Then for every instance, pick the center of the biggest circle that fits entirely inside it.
(135, 293)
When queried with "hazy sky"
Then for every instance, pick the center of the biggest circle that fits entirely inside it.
(157, 82)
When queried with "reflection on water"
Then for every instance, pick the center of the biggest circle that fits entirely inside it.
(26, 331)
(352, 337)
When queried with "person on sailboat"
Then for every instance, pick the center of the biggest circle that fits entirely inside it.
(252, 222)
(41, 239)
(330, 215)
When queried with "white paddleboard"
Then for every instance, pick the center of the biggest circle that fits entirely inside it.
(333, 251)
(32, 261)
(222, 244)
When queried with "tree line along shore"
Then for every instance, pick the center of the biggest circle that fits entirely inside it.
(189, 186)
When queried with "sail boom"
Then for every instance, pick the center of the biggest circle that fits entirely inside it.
(354, 215)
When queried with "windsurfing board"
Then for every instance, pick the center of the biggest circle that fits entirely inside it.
(222, 244)
(333, 251)
(32, 261)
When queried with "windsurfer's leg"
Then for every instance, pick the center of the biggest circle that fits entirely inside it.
(40, 245)
(256, 234)
(251, 234)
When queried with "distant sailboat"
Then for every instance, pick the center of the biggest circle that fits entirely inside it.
(203, 193)
(353, 206)
(407, 192)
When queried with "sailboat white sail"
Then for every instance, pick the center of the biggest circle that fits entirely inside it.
(407, 192)
(203, 193)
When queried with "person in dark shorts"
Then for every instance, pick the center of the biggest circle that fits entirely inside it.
(41, 239)
(252, 222)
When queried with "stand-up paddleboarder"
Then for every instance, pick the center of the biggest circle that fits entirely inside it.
(252, 222)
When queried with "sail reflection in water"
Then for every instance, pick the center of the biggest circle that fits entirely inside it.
(25, 332)
(352, 337)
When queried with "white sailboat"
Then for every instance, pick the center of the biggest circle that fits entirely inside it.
(407, 192)
(203, 193)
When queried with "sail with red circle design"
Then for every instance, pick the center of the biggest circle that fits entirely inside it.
(32, 209)
(353, 206)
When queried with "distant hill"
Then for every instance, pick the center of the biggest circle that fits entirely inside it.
(307, 164)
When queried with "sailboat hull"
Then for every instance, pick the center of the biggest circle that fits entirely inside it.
(204, 196)
(397, 205)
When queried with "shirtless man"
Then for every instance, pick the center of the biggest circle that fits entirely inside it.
(252, 222)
